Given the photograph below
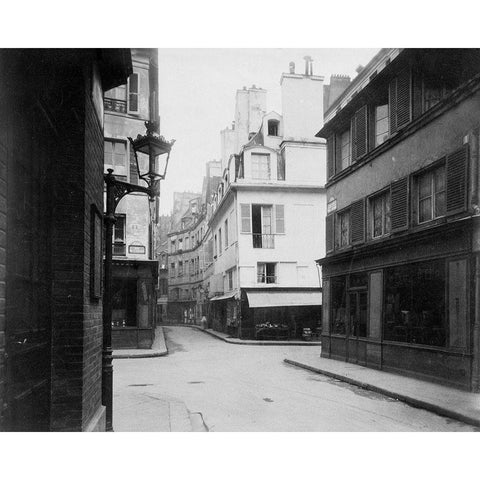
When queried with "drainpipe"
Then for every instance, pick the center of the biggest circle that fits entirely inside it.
(474, 159)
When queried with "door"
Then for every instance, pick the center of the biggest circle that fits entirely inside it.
(357, 318)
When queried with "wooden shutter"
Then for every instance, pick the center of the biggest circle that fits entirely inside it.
(330, 156)
(133, 89)
(246, 221)
(403, 98)
(392, 105)
(357, 221)
(338, 153)
(329, 232)
(279, 219)
(417, 97)
(360, 137)
(352, 139)
(399, 205)
(456, 175)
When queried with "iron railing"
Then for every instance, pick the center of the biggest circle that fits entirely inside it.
(263, 240)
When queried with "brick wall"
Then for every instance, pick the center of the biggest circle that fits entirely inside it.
(3, 243)
(93, 325)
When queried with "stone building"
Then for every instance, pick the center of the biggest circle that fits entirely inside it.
(401, 273)
(267, 213)
(51, 204)
(135, 269)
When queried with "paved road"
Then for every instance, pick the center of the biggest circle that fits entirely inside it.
(249, 388)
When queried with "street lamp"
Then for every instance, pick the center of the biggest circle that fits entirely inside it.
(152, 153)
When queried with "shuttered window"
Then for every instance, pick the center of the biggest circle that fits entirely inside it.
(338, 153)
(457, 181)
(400, 101)
(329, 231)
(279, 219)
(392, 100)
(246, 218)
(359, 134)
(399, 205)
(133, 89)
(330, 156)
(357, 221)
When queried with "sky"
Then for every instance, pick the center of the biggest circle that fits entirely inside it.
(197, 98)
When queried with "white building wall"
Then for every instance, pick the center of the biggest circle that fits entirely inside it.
(302, 105)
(295, 251)
(306, 164)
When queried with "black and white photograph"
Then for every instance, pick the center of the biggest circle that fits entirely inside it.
(261, 239)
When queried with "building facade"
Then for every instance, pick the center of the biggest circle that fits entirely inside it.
(266, 214)
(401, 274)
(135, 269)
(190, 252)
(51, 222)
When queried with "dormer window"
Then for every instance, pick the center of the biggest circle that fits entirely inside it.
(273, 128)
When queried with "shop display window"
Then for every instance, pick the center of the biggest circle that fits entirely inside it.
(415, 303)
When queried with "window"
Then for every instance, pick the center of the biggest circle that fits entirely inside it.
(342, 234)
(215, 247)
(226, 234)
(260, 166)
(192, 267)
(116, 99)
(345, 153)
(133, 89)
(379, 213)
(273, 128)
(187, 243)
(431, 194)
(163, 287)
(262, 226)
(172, 269)
(281, 165)
(180, 269)
(172, 246)
(339, 305)
(219, 241)
(415, 303)
(115, 157)
(180, 244)
(119, 242)
(124, 302)
(381, 124)
(266, 273)
(230, 280)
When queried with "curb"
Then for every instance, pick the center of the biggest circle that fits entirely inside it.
(144, 354)
(414, 402)
(273, 343)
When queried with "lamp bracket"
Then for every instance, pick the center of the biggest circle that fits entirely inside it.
(120, 189)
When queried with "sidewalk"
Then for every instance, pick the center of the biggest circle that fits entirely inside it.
(445, 401)
(159, 349)
(226, 338)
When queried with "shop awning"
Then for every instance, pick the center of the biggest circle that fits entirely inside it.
(283, 299)
(222, 297)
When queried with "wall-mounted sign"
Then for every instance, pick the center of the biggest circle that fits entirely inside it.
(331, 205)
(137, 249)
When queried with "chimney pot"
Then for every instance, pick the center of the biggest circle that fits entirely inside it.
(292, 67)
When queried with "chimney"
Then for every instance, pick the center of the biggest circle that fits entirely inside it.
(308, 65)
(338, 84)
(291, 66)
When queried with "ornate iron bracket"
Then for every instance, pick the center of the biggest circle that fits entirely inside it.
(120, 189)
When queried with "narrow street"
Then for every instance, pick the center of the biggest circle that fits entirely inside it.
(247, 388)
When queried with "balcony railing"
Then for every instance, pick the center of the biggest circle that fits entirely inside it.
(119, 248)
(113, 105)
(263, 240)
(266, 279)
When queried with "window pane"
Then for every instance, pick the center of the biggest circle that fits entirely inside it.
(425, 210)
(381, 124)
(345, 141)
(425, 185)
(439, 179)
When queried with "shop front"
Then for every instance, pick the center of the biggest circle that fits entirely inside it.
(223, 314)
(406, 310)
(280, 314)
(133, 303)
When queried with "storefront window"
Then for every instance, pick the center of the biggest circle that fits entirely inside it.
(415, 303)
(339, 305)
(124, 302)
